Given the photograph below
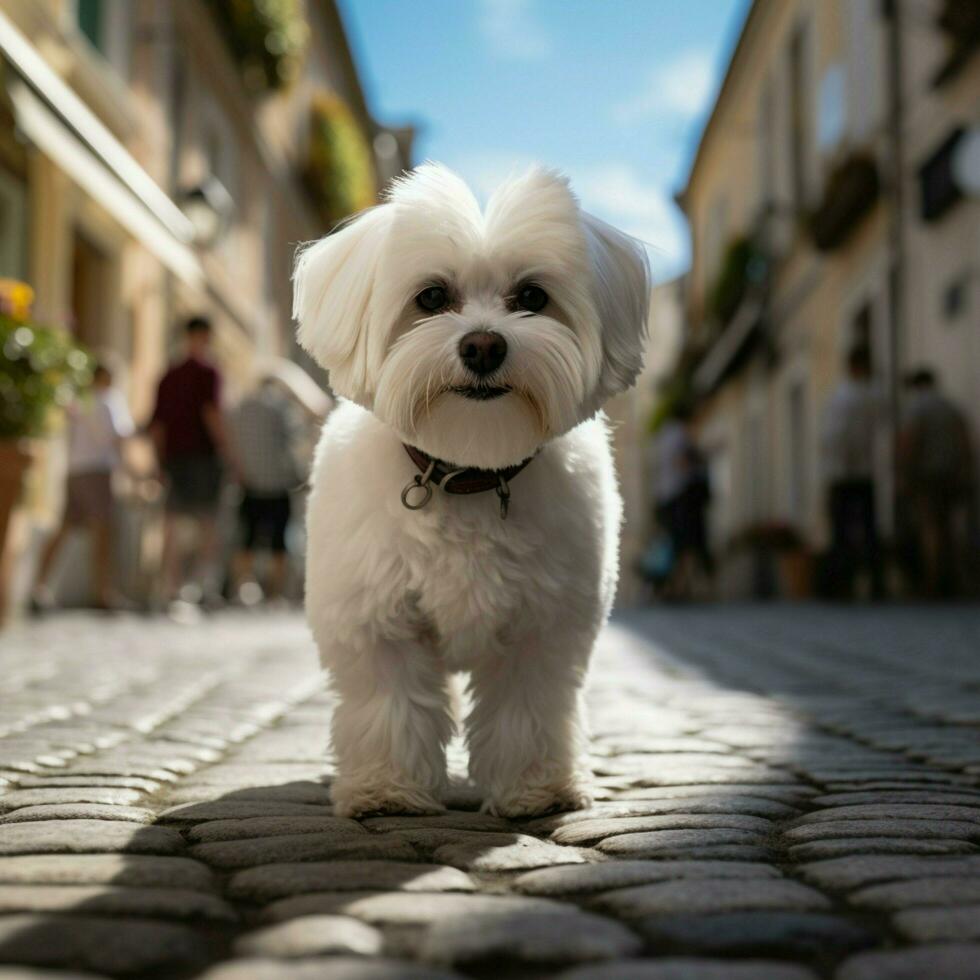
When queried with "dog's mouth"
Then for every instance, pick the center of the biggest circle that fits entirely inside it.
(480, 393)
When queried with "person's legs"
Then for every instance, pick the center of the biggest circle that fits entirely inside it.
(102, 561)
(841, 552)
(170, 560)
(867, 520)
(279, 513)
(41, 593)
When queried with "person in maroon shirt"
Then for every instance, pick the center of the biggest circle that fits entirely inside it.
(188, 434)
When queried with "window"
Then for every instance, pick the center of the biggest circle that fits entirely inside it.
(861, 324)
(765, 169)
(91, 304)
(796, 450)
(90, 15)
(13, 227)
(799, 116)
(715, 235)
(107, 25)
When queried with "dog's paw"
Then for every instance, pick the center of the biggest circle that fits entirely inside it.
(361, 800)
(535, 801)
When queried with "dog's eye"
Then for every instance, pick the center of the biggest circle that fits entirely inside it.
(433, 298)
(531, 298)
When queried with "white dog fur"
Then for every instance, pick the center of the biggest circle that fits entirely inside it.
(398, 599)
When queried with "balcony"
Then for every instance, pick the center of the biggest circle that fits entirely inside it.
(849, 194)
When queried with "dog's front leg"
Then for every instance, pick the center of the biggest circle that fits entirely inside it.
(526, 733)
(390, 729)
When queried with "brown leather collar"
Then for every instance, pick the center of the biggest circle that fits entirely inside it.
(467, 480)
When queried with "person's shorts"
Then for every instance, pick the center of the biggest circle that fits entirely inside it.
(194, 484)
(264, 521)
(89, 497)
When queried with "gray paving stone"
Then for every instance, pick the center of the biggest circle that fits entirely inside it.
(404, 908)
(516, 852)
(726, 806)
(918, 892)
(590, 878)
(35, 973)
(451, 820)
(87, 837)
(815, 850)
(557, 936)
(136, 870)
(943, 924)
(956, 961)
(110, 795)
(273, 881)
(239, 810)
(853, 872)
(78, 811)
(303, 847)
(312, 935)
(941, 829)
(688, 968)
(707, 895)
(315, 791)
(787, 792)
(804, 935)
(591, 831)
(333, 967)
(163, 903)
(669, 843)
(265, 827)
(102, 945)
(895, 811)
(53, 781)
(936, 794)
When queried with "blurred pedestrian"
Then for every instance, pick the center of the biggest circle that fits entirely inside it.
(683, 493)
(266, 430)
(936, 477)
(188, 433)
(852, 420)
(98, 422)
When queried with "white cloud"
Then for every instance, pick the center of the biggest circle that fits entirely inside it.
(680, 88)
(512, 30)
(615, 192)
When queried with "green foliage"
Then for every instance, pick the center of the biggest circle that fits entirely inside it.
(267, 38)
(340, 169)
(40, 369)
(741, 266)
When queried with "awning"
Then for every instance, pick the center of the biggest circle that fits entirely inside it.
(52, 117)
(53, 139)
(728, 346)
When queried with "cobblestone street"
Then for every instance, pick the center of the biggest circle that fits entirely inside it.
(783, 793)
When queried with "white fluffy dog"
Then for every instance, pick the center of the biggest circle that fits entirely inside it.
(465, 343)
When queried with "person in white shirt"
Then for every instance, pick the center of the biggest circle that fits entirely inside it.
(852, 419)
(98, 421)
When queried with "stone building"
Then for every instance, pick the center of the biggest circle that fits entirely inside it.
(824, 210)
(164, 159)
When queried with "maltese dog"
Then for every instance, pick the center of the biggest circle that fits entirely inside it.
(464, 514)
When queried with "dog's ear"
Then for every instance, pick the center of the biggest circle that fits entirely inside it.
(333, 284)
(621, 275)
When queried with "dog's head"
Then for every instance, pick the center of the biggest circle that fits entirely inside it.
(476, 335)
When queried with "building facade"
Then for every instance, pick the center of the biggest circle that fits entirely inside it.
(156, 161)
(824, 213)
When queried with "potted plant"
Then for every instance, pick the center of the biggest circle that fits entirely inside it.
(339, 172)
(40, 370)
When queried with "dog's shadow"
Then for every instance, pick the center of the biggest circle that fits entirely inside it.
(271, 870)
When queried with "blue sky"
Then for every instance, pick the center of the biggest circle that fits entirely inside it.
(613, 92)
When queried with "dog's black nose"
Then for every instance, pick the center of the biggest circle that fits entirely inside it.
(483, 351)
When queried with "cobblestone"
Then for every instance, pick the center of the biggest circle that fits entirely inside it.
(782, 794)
